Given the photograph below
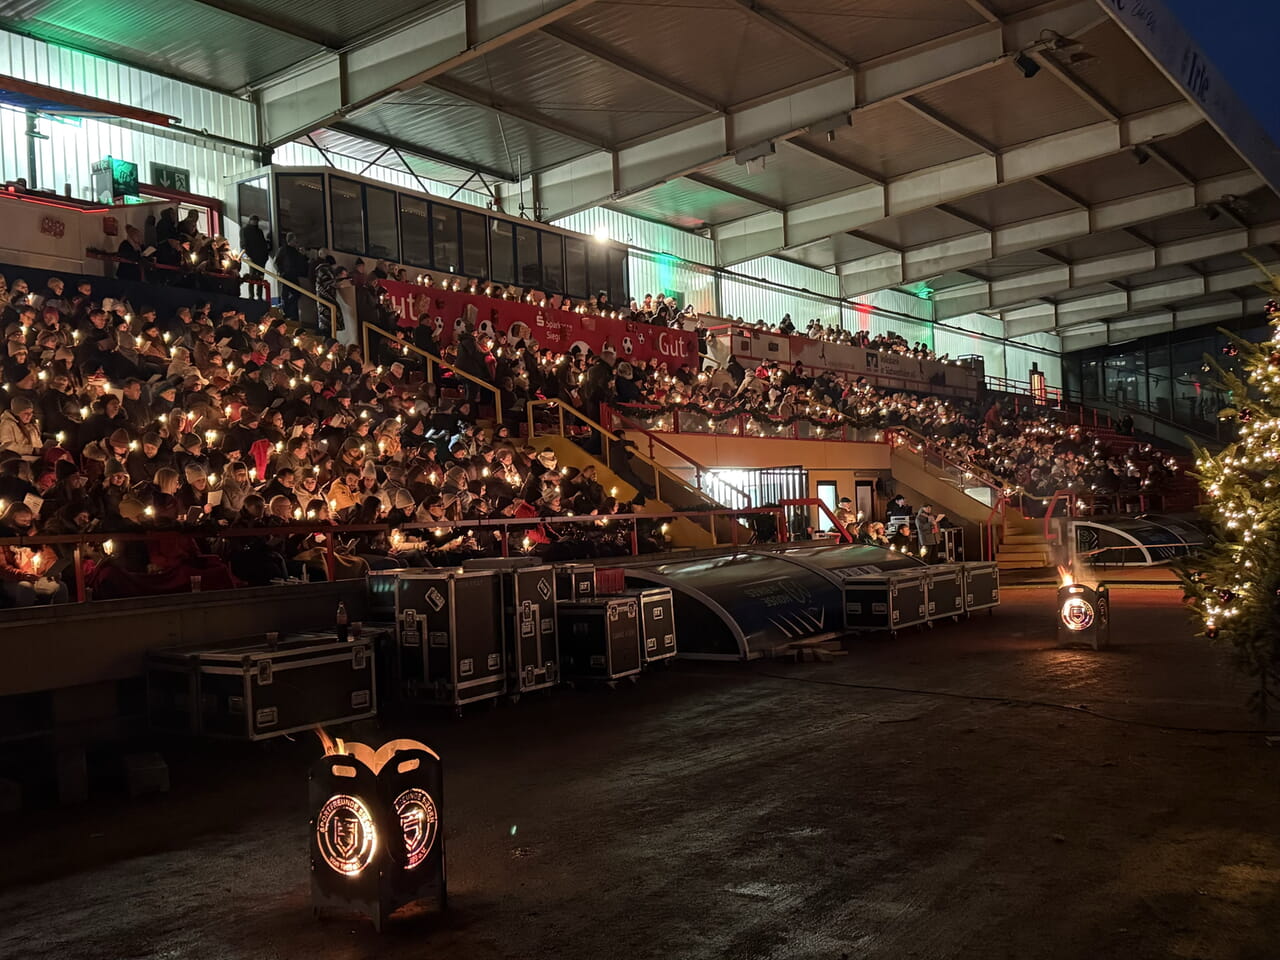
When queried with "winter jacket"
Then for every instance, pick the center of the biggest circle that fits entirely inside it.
(22, 438)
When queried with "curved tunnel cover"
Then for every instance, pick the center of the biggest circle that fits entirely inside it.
(1137, 541)
(844, 560)
(762, 601)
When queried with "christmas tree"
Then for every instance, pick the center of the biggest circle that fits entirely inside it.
(1234, 583)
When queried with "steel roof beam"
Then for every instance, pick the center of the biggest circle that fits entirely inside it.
(333, 86)
(769, 233)
(812, 151)
(1008, 293)
(781, 25)
(255, 16)
(479, 98)
(784, 115)
(973, 249)
(611, 58)
(1169, 318)
(731, 190)
(942, 123)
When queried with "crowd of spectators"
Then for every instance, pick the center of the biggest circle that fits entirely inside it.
(117, 420)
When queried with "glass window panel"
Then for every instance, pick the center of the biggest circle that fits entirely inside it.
(575, 267)
(415, 231)
(553, 262)
(618, 276)
(347, 215)
(528, 263)
(384, 237)
(502, 251)
(444, 238)
(475, 247)
(597, 269)
(301, 207)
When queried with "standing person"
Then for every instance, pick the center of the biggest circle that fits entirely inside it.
(928, 532)
(291, 264)
(255, 244)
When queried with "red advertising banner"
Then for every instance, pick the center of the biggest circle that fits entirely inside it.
(558, 330)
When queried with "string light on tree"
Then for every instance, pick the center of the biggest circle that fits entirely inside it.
(1235, 586)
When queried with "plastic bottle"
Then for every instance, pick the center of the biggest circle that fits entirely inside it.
(342, 621)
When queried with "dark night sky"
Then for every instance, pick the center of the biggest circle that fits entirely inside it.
(1238, 36)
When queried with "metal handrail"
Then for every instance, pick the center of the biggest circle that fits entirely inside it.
(698, 468)
(406, 347)
(333, 307)
(658, 468)
(988, 479)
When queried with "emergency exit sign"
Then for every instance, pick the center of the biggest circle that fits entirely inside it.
(171, 178)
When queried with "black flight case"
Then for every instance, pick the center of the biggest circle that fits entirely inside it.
(657, 623)
(528, 622)
(258, 689)
(600, 639)
(449, 632)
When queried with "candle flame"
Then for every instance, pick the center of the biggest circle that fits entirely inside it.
(331, 746)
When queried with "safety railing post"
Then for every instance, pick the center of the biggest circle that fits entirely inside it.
(78, 560)
(635, 536)
(329, 562)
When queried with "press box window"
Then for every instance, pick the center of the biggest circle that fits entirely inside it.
(415, 231)
(553, 262)
(444, 238)
(300, 203)
(527, 259)
(575, 267)
(380, 212)
(502, 251)
(347, 214)
(475, 247)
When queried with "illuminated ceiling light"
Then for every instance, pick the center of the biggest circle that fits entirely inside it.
(1027, 66)
(601, 233)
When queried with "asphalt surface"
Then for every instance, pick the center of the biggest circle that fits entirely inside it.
(744, 811)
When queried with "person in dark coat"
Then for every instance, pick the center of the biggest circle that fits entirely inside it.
(258, 249)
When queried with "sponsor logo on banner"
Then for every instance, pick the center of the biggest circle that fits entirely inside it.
(557, 330)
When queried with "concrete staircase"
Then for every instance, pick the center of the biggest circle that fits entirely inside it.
(1024, 546)
(682, 531)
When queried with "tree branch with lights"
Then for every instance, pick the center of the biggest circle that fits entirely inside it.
(1234, 582)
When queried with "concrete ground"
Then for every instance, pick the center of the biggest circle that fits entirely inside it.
(745, 812)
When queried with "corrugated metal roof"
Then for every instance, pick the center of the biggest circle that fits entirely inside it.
(192, 41)
(1259, 206)
(866, 29)
(709, 45)
(1097, 245)
(1202, 153)
(577, 89)
(1013, 203)
(1003, 108)
(683, 203)
(1113, 177)
(1163, 275)
(1119, 73)
(1014, 264)
(337, 21)
(445, 125)
(890, 140)
(1184, 226)
(1009, 7)
(788, 177)
(917, 229)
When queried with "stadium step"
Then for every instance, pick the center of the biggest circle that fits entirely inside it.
(682, 531)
